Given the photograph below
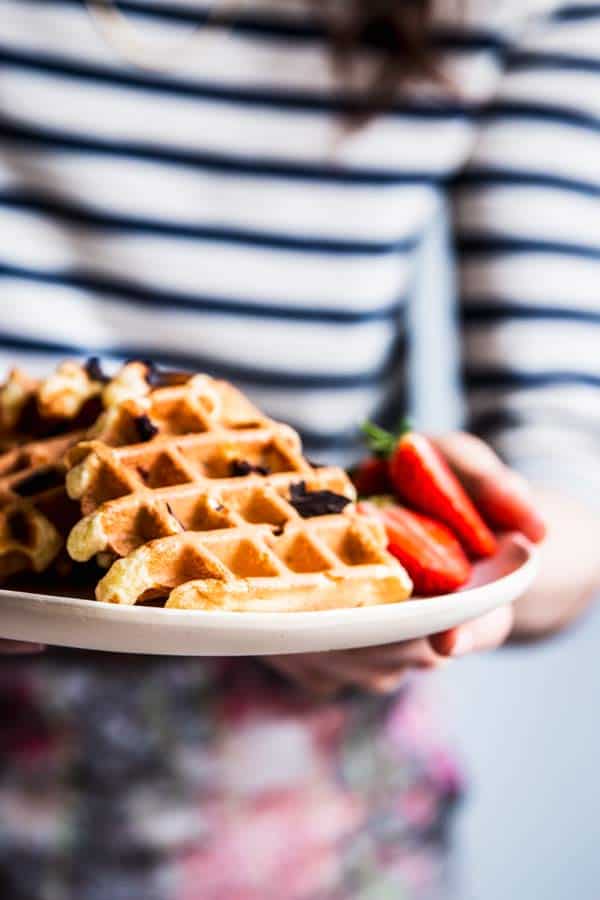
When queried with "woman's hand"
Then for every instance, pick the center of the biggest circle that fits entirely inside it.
(509, 504)
(381, 670)
(569, 571)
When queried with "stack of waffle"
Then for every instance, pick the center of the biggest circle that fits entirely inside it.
(183, 491)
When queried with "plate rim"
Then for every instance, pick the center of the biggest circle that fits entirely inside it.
(152, 616)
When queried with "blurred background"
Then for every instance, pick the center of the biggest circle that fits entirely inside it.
(523, 719)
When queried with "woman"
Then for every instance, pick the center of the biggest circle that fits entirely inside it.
(252, 205)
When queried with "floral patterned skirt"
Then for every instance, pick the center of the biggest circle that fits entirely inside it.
(131, 778)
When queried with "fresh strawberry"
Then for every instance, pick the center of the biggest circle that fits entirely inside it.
(372, 477)
(428, 550)
(422, 478)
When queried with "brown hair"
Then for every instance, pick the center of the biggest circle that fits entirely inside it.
(399, 33)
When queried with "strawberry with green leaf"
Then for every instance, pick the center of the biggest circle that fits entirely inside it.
(422, 479)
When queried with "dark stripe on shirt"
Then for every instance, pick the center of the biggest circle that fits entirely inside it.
(540, 112)
(484, 177)
(259, 24)
(526, 60)
(576, 12)
(475, 312)
(93, 218)
(348, 439)
(504, 378)
(497, 245)
(239, 374)
(288, 100)
(246, 167)
(123, 290)
(493, 420)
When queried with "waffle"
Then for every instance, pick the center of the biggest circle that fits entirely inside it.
(36, 514)
(139, 406)
(16, 394)
(130, 495)
(71, 397)
(218, 520)
(326, 562)
(27, 458)
(184, 491)
(68, 399)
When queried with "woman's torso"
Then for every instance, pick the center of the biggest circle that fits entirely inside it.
(221, 217)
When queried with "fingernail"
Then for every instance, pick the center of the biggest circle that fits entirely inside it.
(537, 528)
(464, 643)
(444, 642)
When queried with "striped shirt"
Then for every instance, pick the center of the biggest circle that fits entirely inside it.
(221, 216)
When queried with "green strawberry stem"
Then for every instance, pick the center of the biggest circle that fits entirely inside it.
(382, 443)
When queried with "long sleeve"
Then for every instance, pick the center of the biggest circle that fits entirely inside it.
(527, 229)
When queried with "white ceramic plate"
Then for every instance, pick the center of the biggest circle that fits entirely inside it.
(71, 622)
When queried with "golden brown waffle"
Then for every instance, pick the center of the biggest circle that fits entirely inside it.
(215, 520)
(30, 408)
(138, 409)
(326, 562)
(130, 495)
(28, 458)
(33, 529)
(35, 512)
(188, 492)
(15, 395)
(71, 397)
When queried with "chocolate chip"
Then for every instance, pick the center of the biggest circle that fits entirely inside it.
(93, 368)
(172, 514)
(19, 526)
(316, 503)
(146, 428)
(42, 480)
(158, 378)
(240, 468)
(278, 530)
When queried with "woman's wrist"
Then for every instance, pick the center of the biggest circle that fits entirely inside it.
(569, 568)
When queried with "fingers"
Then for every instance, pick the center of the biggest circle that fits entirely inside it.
(486, 633)
(381, 670)
(378, 670)
(304, 675)
(506, 502)
(444, 642)
(502, 496)
(417, 654)
(15, 648)
(374, 679)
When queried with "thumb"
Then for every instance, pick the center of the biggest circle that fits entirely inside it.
(502, 496)
(485, 633)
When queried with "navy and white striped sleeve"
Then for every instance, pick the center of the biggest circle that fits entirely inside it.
(527, 216)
